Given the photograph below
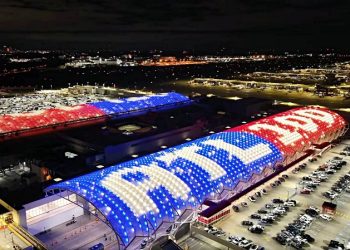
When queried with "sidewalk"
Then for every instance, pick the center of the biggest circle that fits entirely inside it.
(8, 240)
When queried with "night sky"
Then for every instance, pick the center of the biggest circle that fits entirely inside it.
(200, 25)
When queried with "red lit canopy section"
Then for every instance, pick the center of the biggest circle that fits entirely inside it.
(49, 117)
(296, 130)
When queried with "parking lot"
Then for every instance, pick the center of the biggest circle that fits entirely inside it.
(322, 230)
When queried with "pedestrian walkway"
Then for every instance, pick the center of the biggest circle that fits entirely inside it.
(84, 233)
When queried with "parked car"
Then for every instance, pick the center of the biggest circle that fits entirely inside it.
(305, 191)
(254, 247)
(262, 211)
(331, 171)
(208, 228)
(277, 201)
(281, 179)
(311, 212)
(247, 223)
(279, 211)
(311, 186)
(306, 178)
(257, 229)
(266, 220)
(285, 207)
(312, 159)
(310, 189)
(263, 191)
(283, 240)
(214, 231)
(244, 204)
(335, 245)
(296, 244)
(308, 237)
(270, 206)
(144, 243)
(322, 177)
(289, 204)
(252, 199)
(255, 216)
(330, 195)
(245, 243)
(326, 217)
(294, 201)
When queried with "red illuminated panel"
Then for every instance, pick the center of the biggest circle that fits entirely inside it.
(16, 122)
(295, 130)
(7, 123)
(74, 113)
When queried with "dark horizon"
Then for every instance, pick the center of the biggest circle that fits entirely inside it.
(239, 26)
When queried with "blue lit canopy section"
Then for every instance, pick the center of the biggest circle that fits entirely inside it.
(138, 195)
(139, 103)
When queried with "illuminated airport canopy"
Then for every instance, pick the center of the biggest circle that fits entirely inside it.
(138, 195)
(93, 110)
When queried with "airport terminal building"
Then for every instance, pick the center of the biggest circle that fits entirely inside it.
(138, 197)
(144, 197)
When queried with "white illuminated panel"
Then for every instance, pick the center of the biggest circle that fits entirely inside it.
(245, 155)
(316, 114)
(135, 195)
(190, 154)
(309, 125)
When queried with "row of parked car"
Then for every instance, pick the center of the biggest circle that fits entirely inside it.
(343, 184)
(322, 174)
(268, 215)
(279, 181)
(40, 101)
(336, 245)
(237, 240)
(244, 243)
(252, 198)
(294, 233)
(346, 151)
(262, 192)
(299, 168)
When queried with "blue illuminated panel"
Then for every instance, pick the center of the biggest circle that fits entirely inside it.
(148, 190)
(139, 103)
